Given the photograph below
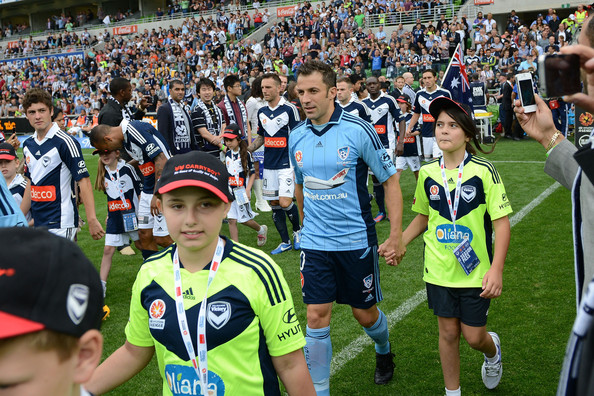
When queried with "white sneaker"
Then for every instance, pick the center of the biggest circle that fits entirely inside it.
(262, 235)
(491, 372)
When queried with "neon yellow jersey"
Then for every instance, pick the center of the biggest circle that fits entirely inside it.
(482, 199)
(250, 317)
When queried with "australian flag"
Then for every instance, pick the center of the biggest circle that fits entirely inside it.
(455, 79)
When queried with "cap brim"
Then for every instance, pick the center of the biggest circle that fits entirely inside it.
(12, 326)
(8, 157)
(193, 183)
(230, 135)
(402, 101)
(441, 103)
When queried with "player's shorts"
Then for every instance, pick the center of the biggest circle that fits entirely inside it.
(465, 304)
(68, 233)
(347, 277)
(408, 162)
(428, 143)
(278, 183)
(241, 213)
(120, 239)
(146, 221)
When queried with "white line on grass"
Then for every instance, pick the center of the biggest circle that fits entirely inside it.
(351, 351)
(519, 162)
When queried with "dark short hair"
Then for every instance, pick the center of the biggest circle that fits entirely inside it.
(273, 76)
(347, 80)
(118, 84)
(204, 81)
(230, 81)
(312, 66)
(176, 82)
(432, 71)
(37, 95)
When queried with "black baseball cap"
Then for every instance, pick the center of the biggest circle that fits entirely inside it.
(441, 103)
(232, 131)
(404, 98)
(97, 151)
(195, 169)
(46, 282)
(7, 152)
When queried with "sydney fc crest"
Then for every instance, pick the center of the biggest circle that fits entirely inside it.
(343, 153)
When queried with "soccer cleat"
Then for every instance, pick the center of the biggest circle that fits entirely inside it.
(128, 251)
(384, 367)
(297, 240)
(283, 247)
(262, 235)
(380, 216)
(106, 312)
(491, 372)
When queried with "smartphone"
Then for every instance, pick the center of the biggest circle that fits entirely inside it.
(559, 75)
(526, 92)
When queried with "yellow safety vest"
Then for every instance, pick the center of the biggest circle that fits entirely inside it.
(580, 16)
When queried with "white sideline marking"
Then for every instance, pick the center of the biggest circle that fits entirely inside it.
(519, 162)
(351, 351)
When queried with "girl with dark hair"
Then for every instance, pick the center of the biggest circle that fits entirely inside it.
(460, 201)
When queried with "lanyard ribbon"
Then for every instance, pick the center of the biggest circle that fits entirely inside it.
(117, 184)
(200, 364)
(453, 208)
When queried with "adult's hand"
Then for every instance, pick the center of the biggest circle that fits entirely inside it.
(538, 125)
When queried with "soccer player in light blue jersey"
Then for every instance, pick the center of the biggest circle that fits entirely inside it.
(331, 152)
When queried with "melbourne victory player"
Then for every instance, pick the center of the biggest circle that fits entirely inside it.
(331, 152)
(54, 164)
(384, 114)
(423, 98)
(344, 94)
(275, 121)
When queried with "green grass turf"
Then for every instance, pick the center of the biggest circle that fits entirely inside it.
(533, 316)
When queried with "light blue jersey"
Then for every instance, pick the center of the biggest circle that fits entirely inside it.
(331, 164)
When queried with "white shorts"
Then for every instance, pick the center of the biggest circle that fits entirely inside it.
(120, 239)
(146, 221)
(68, 233)
(278, 183)
(408, 162)
(241, 213)
(428, 143)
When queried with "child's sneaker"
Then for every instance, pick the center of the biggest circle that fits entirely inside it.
(492, 372)
(262, 235)
(283, 247)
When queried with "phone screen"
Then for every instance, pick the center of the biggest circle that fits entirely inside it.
(527, 93)
(562, 75)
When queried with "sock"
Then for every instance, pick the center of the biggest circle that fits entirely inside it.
(455, 392)
(278, 216)
(293, 214)
(495, 358)
(380, 334)
(147, 253)
(318, 354)
(104, 285)
(379, 197)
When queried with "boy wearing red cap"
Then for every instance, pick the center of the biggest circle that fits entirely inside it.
(218, 315)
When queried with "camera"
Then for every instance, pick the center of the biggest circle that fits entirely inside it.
(559, 75)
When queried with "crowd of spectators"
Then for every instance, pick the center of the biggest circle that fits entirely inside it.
(215, 46)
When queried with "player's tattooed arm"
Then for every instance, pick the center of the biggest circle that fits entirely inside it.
(256, 144)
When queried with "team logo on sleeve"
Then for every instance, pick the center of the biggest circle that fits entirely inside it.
(343, 153)
(468, 193)
(434, 192)
(156, 313)
(218, 313)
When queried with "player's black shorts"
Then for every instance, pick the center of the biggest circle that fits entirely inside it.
(347, 277)
(465, 304)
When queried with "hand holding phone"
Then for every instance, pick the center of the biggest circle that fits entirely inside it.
(526, 92)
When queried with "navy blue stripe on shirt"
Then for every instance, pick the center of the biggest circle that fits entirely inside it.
(489, 166)
(377, 144)
(264, 270)
(5, 205)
